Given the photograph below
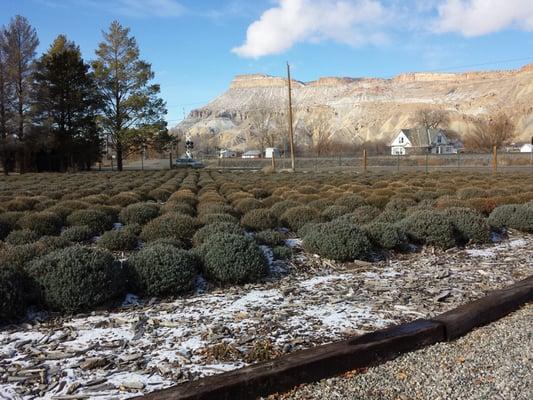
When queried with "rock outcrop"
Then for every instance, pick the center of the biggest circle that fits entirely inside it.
(365, 109)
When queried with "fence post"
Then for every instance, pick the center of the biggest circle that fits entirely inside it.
(427, 163)
(170, 160)
(458, 159)
(365, 161)
(398, 163)
(273, 161)
(494, 159)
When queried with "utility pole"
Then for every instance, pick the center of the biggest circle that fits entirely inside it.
(291, 133)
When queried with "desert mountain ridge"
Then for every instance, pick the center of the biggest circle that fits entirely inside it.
(362, 109)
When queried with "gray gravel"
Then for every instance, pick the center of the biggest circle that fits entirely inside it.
(492, 362)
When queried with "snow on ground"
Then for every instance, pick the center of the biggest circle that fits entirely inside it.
(147, 346)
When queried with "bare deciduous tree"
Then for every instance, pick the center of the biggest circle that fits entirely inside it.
(267, 127)
(489, 132)
(431, 118)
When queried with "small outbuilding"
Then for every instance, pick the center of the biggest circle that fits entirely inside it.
(252, 154)
(526, 148)
(272, 152)
(225, 153)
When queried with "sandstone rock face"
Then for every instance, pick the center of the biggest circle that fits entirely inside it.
(366, 109)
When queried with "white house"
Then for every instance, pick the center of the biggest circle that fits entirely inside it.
(252, 154)
(423, 141)
(526, 148)
(225, 153)
(272, 152)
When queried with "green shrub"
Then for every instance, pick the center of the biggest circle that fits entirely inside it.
(351, 201)
(182, 208)
(118, 240)
(429, 227)
(135, 229)
(170, 225)
(390, 216)
(124, 199)
(162, 270)
(18, 256)
(24, 236)
(248, 204)
(207, 231)
(341, 241)
(207, 219)
(79, 233)
(400, 204)
(281, 252)
(296, 217)
(333, 212)
(361, 215)
(43, 223)
(386, 235)
(282, 206)
(9, 221)
(159, 194)
(514, 216)
(77, 278)
(167, 242)
(12, 293)
(470, 226)
(231, 258)
(139, 213)
(215, 208)
(259, 219)
(46, 244)
(97, 221)
(321, 204)
(270, 237)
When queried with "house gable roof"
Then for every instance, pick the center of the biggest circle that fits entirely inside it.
(421, 137)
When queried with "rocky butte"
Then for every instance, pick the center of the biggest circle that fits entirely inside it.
(365, 109)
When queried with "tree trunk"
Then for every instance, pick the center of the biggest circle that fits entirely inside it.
(119, 156)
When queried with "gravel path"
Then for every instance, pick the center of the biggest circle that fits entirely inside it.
(493, 362)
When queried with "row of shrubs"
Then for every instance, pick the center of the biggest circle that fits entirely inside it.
(79, 278)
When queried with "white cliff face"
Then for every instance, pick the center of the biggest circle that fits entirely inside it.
(368, 108)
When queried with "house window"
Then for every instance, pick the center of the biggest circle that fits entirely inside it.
(401, 139)
(439, 139)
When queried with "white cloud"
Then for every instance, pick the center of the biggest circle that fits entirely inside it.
(352, 22)
(480, 17)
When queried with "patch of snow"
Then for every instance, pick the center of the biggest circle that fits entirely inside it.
(311, 283)
(486, 253)
(255, 298)
(130, 300)
(200, 285)
(269, 255)
(117, 226)
(293, 242)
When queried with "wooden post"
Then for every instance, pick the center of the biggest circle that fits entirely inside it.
(494, 159)
(365, 161)
(427, 163)
(398, 163)
(291, 133)
(170, 159)
(273, 161)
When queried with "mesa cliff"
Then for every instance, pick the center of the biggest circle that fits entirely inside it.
(365, 109)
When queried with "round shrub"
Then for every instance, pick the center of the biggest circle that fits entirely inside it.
(207, 231)
(97, 221)
(124, 199)
(170, 225)
(296, 217)
(429, 227)
(159, 194)
(162, 270)
(341, 241)
(207, 219)
(282, 206)
(281, 252)
(182, 208)
(138, 213)
(351, 201)
(18, 256)
(12, 293)
(514, 216)
(136, 229)
(24, 236)
(9, 221)
(43, 223)
(386, 235)
(361, 215)
(470, 226)
(77, 278)
(270, 237)
(46, 244)
(167, 242)
(400, 203)
(231, 258)
(259, 219)
(79, 233)
(333, 212)
(248, 204)
(215, 208)
(118, 240)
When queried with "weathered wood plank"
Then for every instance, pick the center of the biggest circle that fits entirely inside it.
(492, 307)
(307, 365)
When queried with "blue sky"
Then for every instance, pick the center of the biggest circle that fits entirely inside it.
(197, 46)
